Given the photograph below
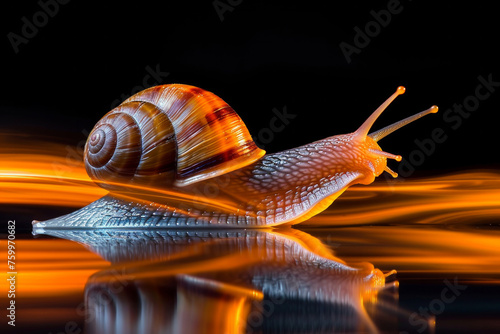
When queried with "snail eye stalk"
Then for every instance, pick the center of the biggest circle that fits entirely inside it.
(377, 135)
(362, 131)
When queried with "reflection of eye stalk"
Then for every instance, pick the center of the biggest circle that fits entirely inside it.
(223, 281)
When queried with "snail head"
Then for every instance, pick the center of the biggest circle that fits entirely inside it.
(371, 155)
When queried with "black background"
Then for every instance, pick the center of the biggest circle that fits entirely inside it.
(262, 55)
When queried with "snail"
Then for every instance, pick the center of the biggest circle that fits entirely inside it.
(169, 148)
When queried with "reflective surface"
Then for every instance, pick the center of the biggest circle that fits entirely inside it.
(284, 281)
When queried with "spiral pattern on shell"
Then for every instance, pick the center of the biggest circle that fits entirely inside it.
(168, 134)
(126, 144)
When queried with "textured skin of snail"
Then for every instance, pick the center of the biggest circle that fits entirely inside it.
(179, 156)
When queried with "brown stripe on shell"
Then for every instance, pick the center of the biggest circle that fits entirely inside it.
(215, 160)
(196, 90)
(158, 140)
(219, 114)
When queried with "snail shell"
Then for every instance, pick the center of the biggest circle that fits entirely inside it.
(168, 135)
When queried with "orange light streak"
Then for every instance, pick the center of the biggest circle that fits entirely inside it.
(450, 199)
(29, 178)
(45, 180)
(424, 249)
(48, 268)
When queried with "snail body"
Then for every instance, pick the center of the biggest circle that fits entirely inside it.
(189, 155)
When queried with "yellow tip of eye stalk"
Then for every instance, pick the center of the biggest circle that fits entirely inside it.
(401, 90)
(398, 158)
(434, 109)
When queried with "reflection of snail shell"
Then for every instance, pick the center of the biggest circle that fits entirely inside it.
(185, 140)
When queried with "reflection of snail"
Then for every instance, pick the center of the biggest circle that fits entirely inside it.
(226, 281)
(182, 139)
